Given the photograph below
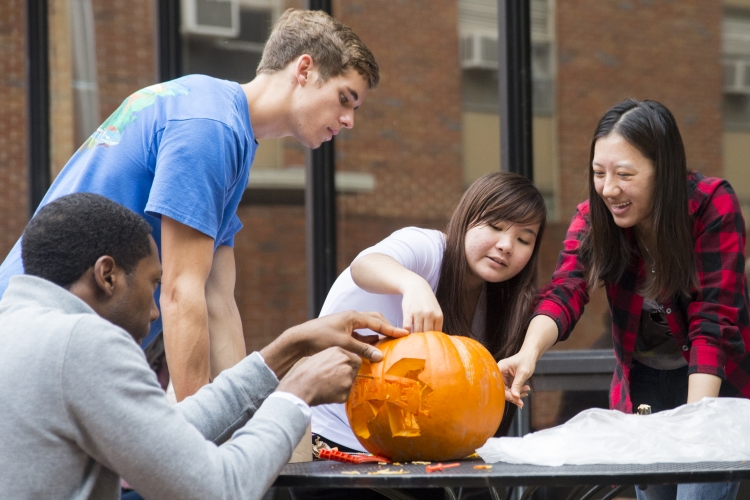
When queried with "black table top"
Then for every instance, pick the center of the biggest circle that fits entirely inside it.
(329, 474)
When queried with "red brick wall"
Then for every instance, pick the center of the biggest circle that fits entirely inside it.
(125, 58)
(408, 132)
(13, 186)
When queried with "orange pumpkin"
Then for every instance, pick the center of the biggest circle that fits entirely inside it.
(432, 397)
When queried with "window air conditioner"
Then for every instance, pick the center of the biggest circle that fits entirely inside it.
(211, 17)
(478, 51)
(736, 76)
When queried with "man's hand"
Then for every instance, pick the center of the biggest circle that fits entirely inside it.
(336, 330)
(324, 378)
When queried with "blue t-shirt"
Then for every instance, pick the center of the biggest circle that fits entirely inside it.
(181, 149)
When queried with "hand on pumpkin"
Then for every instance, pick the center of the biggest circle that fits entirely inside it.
(335, 330)
(420, 308)
(323, 378)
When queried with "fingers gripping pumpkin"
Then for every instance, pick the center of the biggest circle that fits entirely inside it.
(433, 397)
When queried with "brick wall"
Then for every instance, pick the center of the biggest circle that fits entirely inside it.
(125, 58)
(13, 186)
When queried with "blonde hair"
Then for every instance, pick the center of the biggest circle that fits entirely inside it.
(333, 46)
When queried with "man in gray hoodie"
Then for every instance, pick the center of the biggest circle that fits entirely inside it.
(81, 407)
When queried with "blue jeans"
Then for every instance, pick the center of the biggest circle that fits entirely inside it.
(689, 491)
(664, 390)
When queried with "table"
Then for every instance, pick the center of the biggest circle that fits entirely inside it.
(328, 474)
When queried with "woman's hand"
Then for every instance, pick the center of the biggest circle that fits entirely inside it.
(420, 308)
(517, 369)
(380, 273)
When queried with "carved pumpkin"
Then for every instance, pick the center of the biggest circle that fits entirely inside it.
(432, 397)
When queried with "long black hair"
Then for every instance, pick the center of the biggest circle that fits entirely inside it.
(650, 128)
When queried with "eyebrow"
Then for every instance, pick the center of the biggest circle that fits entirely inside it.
(354, 95)
(617, 165)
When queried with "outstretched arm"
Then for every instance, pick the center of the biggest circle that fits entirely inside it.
(380, 273)
(187, 257)
(517, 369)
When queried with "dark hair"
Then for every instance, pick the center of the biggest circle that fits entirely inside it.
(608, 249)
(493, 197)
(67, 236)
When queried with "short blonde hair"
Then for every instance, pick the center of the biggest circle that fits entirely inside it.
(333, 46)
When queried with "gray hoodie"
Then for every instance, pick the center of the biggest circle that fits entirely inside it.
(79, 407)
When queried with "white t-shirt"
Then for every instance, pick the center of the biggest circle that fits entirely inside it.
(418, 250)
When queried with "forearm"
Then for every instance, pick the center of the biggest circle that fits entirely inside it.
(540, 336)
(380, 273)
(281, 354)
(226, 339)
(702, 385)
(186, 339)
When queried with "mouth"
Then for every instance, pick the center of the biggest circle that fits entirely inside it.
(332, 132)
(617, 208)
(498, 261)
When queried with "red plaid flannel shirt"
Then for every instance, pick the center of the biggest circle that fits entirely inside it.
(712, 325)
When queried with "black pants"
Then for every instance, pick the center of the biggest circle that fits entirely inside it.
(660, 389)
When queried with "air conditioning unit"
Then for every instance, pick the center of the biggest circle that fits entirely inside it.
(211, 17)
(736, 76)
(478, 51)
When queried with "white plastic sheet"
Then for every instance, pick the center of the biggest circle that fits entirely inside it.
(714, 429)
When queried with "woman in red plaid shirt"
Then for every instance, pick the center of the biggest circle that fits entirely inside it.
(671, 256)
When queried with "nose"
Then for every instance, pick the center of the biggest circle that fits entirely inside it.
(504, 242)
(610, 187)
(154, 310)
(347, 119)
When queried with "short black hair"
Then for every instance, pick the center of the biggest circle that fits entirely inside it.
(67, 237)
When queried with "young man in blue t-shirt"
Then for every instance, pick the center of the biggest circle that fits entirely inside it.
(179, 153)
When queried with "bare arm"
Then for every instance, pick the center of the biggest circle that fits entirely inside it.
(702, 385)
(517, 369)
(226, 341)
(379, 273)
(187, 256)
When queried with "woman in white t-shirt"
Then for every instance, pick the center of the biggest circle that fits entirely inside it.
(477, 280)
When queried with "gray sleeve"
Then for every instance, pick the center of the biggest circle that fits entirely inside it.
(220, 408)
(124, 422)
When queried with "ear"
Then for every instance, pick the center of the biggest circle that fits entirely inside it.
(106, 274)
(303, 69)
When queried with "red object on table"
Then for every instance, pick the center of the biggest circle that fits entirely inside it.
(349, 458)
(440, 466)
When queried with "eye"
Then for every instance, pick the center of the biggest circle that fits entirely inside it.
(598, 173)
(523, 242)
(496, 226)
(623, 176)
(343, 98)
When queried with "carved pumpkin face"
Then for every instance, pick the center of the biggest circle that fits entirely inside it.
(433, 397)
